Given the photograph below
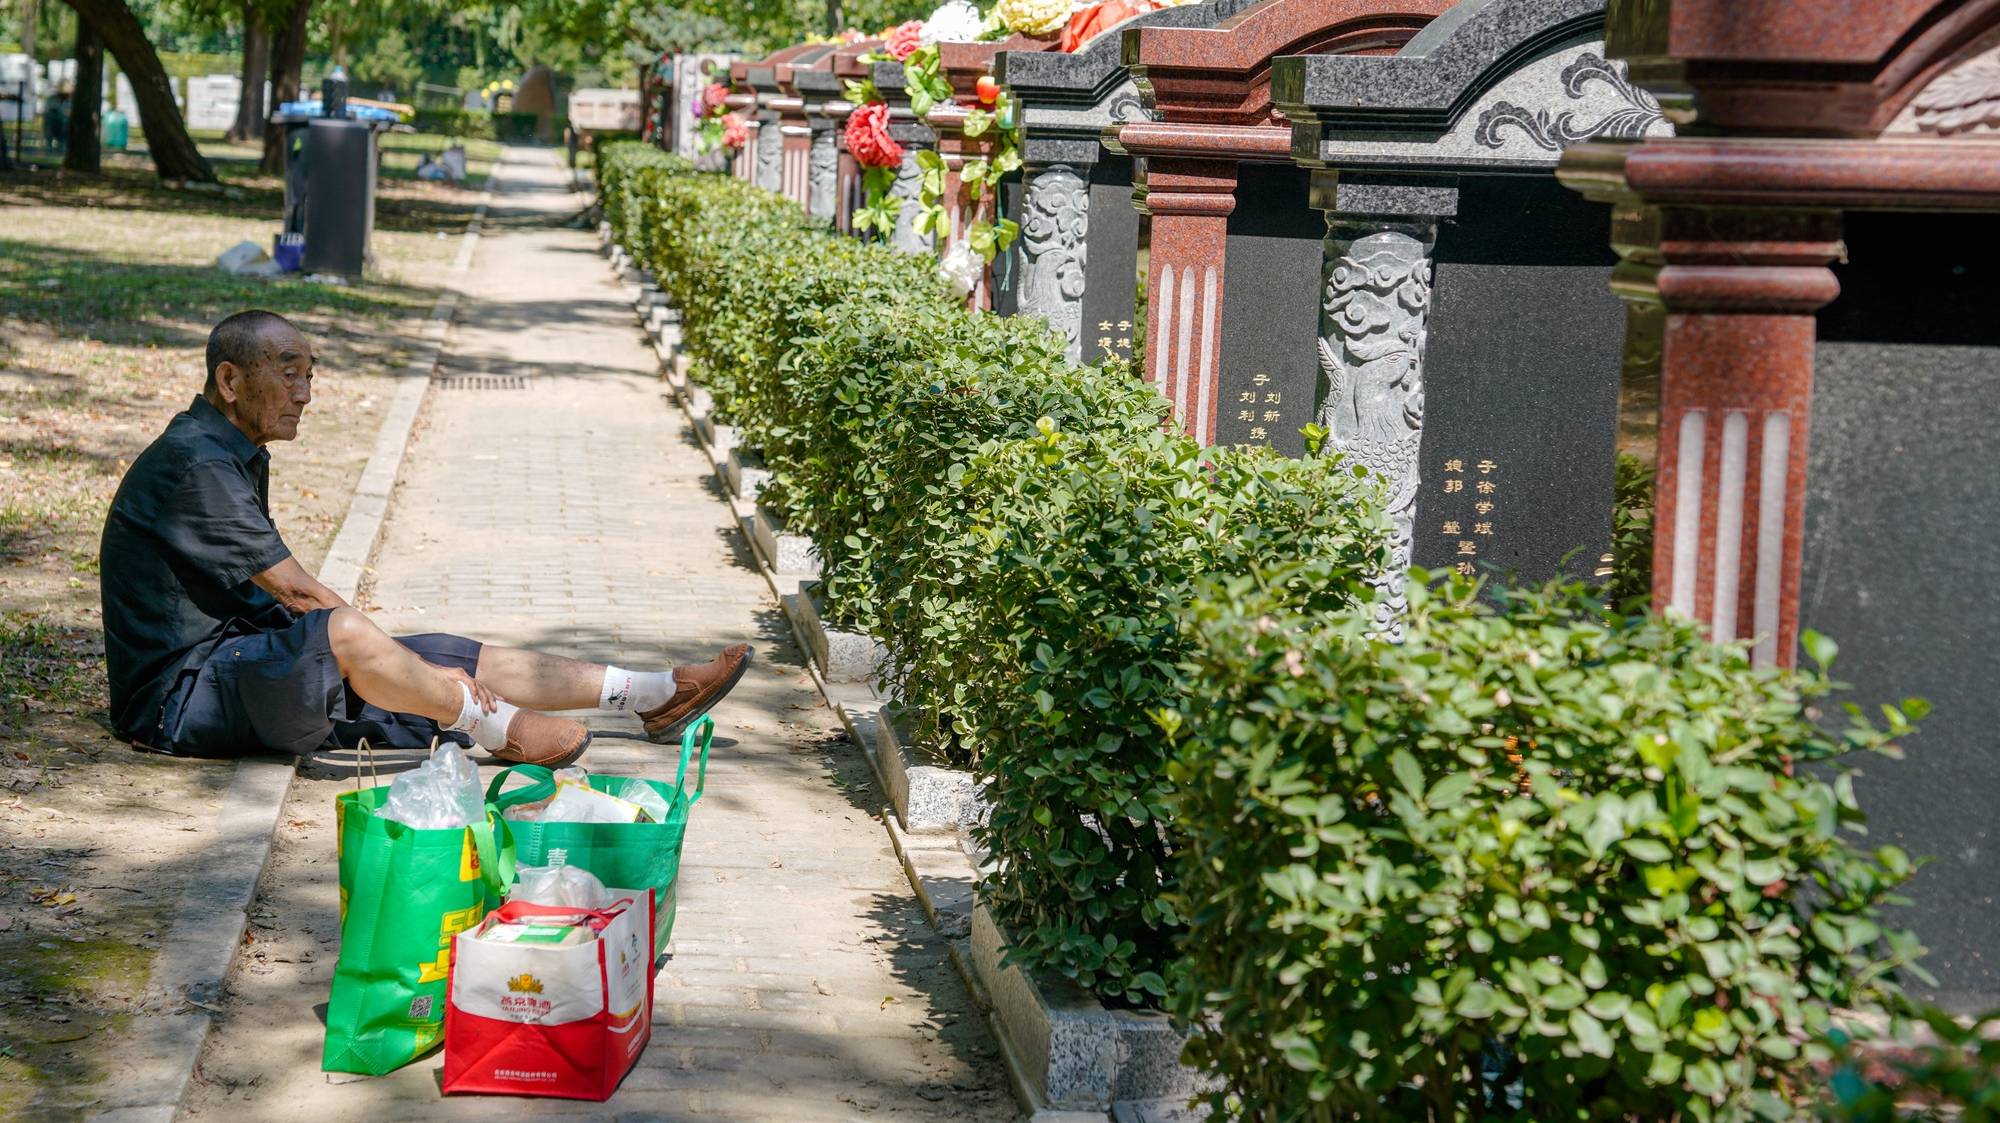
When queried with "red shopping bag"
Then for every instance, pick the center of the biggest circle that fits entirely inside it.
(547, 1001)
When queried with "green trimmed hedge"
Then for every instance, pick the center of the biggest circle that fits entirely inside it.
(913, 442)
(1539, 860)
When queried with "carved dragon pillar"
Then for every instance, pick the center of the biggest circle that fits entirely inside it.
(822, 193)
(1374, 309)
(907, 188)
(1055, 217)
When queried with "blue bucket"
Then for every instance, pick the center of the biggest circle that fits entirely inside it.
(289, 251)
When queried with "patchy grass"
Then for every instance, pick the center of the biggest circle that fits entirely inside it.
(107, 294)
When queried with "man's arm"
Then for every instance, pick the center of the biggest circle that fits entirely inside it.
(290, 585)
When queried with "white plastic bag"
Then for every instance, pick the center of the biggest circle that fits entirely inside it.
(439, 794)
(580, 803)
(560, 887)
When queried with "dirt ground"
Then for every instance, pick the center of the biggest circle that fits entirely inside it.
(107, 292)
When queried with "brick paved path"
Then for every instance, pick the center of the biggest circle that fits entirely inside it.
(574, 514)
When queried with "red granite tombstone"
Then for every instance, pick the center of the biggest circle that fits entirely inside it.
(1217, 144)
(1809, 272)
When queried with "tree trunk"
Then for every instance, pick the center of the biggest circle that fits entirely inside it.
(31, 33)
(87, 100)
(835, 17)
(250, 111)
(288, 59)
(174, 153)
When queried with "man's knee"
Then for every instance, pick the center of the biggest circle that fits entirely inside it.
(349, 632)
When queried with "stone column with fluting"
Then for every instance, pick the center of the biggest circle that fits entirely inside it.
(1738, 291)
(1189, 200)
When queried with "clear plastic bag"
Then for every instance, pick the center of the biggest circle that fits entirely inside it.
(439, 794)
(559, 886)
(632, 790)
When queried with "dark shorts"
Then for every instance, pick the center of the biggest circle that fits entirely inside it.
(281, 691)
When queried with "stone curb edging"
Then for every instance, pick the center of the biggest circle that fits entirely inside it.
(1068, 1062)
(211, 915)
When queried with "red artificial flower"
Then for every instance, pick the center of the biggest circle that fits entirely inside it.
(735, 132)
(711, 98)
(868, 137)
(904, 41)
(1089, 23)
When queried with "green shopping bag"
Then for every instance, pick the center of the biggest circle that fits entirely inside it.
(627, 857)
(404, 894)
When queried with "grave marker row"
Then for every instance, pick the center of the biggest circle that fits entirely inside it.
(1348, 214)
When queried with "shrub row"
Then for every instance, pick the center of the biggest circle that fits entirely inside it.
(1022, 534)
(1538, 860)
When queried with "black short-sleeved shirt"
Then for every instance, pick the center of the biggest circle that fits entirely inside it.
(189, 526)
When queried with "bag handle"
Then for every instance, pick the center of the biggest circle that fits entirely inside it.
(496, 857)
(705, 726)
(542, 785)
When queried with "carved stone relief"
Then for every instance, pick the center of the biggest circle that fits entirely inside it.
(1373, 315)
(770, 157)
(1054, 219)
(1964, 100)
(906, 188)
(1557, 131)
(822, 174)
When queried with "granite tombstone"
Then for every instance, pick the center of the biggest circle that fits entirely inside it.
(1231, 312)
(1078, 251)
(1807, 268)
(1470, 347)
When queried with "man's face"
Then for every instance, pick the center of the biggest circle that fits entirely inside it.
(270, 394)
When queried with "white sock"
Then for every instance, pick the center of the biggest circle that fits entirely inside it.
(635, 690)
(489, 731)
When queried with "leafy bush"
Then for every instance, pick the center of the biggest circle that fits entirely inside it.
(1078, 566)
(1942, 1070)
(1631, 531)
(455, 123)
(1539, 861)
(912, 441)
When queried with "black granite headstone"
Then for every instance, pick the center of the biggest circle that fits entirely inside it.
(1111, 264)
(1902, 564)
(1270, 311)
(1520, 385)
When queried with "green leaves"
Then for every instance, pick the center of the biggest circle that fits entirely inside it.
(1605, 894)
(1216, 788)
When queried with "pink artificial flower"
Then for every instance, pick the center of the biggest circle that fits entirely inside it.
(904, 41)
(868, 137)
(735, 132)
(712, 96)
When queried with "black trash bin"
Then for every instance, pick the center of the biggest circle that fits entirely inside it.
(330, 165)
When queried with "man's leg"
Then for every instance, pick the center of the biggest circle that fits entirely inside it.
(664, 700)
(386, 673)
(540, 681)
(391, 677)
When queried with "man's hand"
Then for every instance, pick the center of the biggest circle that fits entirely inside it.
(290, 585)
(481, 693)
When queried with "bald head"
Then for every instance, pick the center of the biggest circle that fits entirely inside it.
(243, 339)
(260, 374)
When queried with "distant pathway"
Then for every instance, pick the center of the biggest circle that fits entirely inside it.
(571, 511)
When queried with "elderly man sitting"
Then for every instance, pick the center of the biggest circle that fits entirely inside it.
(220, 643)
